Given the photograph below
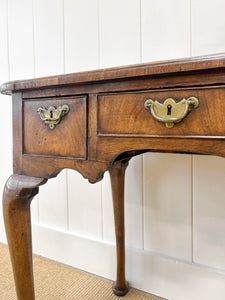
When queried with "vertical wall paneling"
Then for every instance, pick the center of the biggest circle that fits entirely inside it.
(175, 247)
(20, 35)
(82, 53)
(208, 27)
(81, 35)
(209, 211)
(4, 61)
(5, 135)
(35, 210)
(53, 202)
(84, 206)
(49, 59)
(48, 37)
(119, 32)
(165, 29)
(167, 204)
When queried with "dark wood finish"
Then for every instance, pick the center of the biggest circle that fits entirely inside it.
(108, 148)
(50, 167)
(39, 139)
(18, 193)
(117, 173)
(106, 126)
(149, 82)
(128, 115)
(92, 126)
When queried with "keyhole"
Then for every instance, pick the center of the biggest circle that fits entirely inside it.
(51, 114)
(169, 107)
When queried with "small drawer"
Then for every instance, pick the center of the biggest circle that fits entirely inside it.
(66, 139)
(125, 113)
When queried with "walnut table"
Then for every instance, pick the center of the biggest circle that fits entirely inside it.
(96, 121)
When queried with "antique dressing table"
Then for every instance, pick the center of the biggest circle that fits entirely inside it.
(97, 121)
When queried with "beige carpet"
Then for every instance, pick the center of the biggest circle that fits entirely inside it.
(54, 281)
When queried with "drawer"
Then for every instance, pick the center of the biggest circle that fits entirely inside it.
(66, 139)
(125, 114)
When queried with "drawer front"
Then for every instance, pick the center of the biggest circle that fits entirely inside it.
(66, 139)
(125, 114)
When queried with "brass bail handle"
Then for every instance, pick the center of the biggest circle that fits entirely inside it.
(52, 115)
(170, 111)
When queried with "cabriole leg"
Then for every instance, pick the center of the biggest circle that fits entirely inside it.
(117, 172)
(18, 193)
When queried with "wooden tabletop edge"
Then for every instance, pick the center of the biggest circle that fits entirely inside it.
(138, 70)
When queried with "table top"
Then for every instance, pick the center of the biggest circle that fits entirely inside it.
(154, 69)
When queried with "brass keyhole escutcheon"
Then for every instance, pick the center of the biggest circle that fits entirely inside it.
(169, 107)
(52, 116)
(171, 112)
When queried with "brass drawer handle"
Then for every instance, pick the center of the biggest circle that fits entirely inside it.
(170, 111)
(52, 116)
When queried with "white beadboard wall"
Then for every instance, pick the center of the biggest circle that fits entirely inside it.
(175, 204)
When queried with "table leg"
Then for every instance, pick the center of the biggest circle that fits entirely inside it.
(18, 193)
(117, 172)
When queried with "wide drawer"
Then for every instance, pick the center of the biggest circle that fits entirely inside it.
(66, 139)
(125, 114)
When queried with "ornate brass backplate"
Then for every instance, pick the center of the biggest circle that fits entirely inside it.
(170, 111)
(52, 116)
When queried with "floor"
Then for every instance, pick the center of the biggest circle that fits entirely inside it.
(54, 281)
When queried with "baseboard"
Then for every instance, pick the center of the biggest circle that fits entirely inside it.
(147, 271)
